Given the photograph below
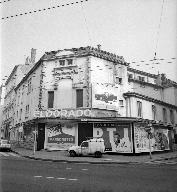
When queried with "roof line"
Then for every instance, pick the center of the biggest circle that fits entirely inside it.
(134, 94)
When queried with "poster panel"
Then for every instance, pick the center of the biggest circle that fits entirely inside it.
(159, 139)
(104, 97)
(117, 137)
(61, 136)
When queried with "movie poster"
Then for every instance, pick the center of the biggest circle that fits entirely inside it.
(60, 136)
(159, 139)
(104, 97)
(117, 137)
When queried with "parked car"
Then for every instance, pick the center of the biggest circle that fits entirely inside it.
(5, 144)
(93, 146)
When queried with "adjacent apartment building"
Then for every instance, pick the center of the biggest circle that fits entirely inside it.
(72, 94)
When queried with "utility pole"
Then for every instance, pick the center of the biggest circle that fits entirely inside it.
(34, 146)
(148, 129)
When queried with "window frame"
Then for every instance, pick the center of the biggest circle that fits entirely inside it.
(139, 109)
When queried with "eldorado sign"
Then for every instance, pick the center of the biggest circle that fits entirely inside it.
(63, 113)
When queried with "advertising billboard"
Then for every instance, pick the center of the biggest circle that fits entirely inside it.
(60, 136)
(159, 139)
(104, 96)
(117, 137)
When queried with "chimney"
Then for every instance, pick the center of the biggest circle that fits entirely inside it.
(33, 55)
(99, 47)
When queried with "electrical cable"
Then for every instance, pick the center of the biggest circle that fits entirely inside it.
(44, 9)
(5, 1)
(85, 20)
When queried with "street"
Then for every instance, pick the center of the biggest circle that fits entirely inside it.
(19, 174)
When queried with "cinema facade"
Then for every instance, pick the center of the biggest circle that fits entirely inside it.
(60, 129)
(73, 94)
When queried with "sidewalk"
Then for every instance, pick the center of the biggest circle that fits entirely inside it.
(63, 156)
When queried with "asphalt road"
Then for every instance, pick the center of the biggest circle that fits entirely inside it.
(23, 175)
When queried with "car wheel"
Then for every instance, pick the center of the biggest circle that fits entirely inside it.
(72, 153)
(98, 154)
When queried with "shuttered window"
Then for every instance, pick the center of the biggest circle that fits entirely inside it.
(50, 99)
(79, 98)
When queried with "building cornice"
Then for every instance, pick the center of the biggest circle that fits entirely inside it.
(147, 98)
(88, 51)
(144, 83)
(10, 76)
(142, 72)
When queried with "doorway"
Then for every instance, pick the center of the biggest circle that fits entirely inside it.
(85, 130)
(41, 136)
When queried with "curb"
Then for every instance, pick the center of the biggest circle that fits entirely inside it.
(80, 162)
(90, 162)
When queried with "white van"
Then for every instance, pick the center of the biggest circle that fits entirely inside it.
(93, 146)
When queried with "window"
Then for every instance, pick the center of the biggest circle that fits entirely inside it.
(50, 99)
(29, 86)
(140, 78)
(27, 108)
(139, 107)
(118, 80)
(121, 102)
(164, 115)
(172, 117)
(153, 112)
(84, 144)
(130, 76)
(62, 62)
(69, 61)
(20, 114)
(79, 98)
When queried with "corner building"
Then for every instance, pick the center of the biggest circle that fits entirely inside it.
(72, 94)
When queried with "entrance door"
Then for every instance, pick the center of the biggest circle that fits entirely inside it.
(85, 130)
(41, 136)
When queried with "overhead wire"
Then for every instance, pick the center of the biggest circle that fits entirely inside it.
(4, 1)
(44, 9)
(86, 24)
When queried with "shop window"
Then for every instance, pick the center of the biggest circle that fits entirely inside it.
(172, 117)
(164, 115)
(153, 112)
(50, 99)
(139, 108)
(79, 98)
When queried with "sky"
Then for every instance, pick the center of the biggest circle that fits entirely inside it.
(134, 29)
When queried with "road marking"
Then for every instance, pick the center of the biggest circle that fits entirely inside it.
(38, 176)
(4, 154)
(72, 179)
(61, 178)
(68, 168)
(84, 169)
(49, 177)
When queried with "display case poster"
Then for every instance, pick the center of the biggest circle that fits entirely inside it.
(104, 97)
(159, 139)
(117, 137)
(61, 135)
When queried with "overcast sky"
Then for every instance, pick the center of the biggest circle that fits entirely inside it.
(129, 28)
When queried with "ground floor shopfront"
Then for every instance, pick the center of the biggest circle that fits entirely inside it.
(121, 135)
